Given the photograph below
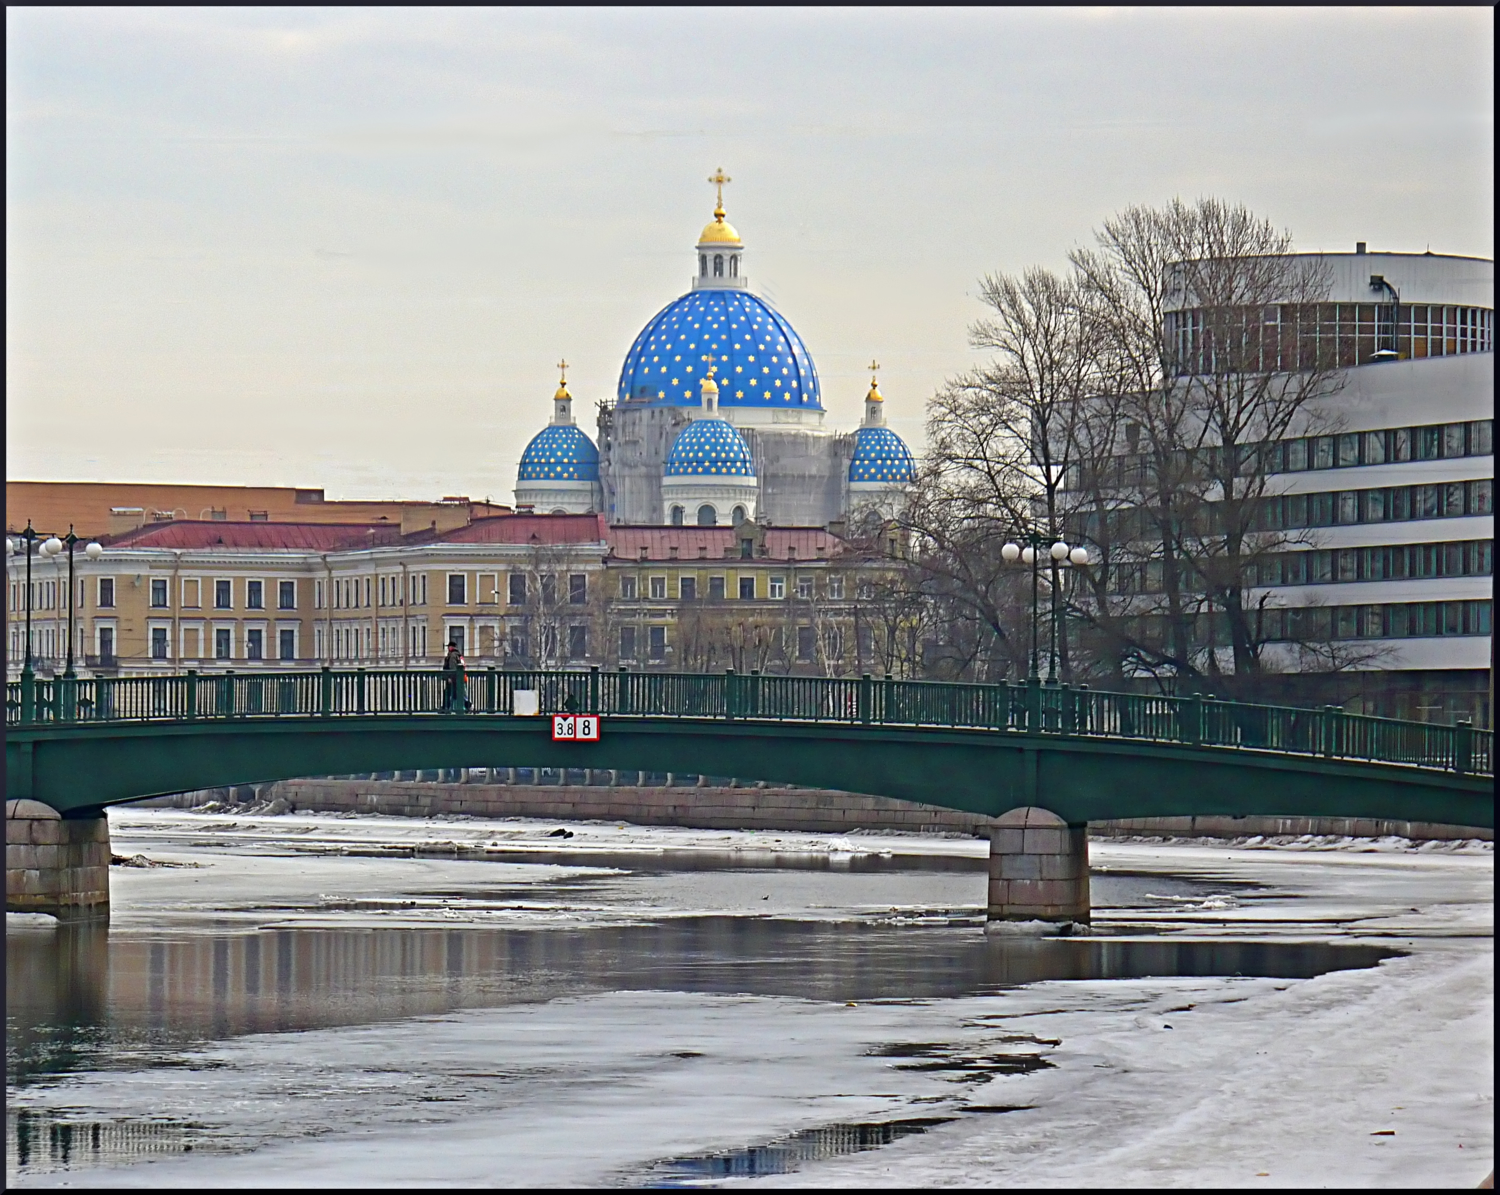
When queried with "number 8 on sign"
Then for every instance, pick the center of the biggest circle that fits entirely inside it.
(571, 728)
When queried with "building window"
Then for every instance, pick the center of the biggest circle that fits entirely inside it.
(106, 593)
(158, 643)
(286, 595)
(658, 589)
(255, 592)
(716, 589)
(260, 516)
(159, 592)
(747, 549)
(222, 595)
(677, 514)
(627, 643)
(807, 643)
(456, 638)
(833, 643)
(286, 648)
(106, 646)
(223, 643)
(718, 265)
(627, 589)
(687, 588)
(805, 588)
(317, 595)
(836, 588)
(578, 589)
(657, 642)
(457, 589)
(747, 589)
(578, 642)
(778, 587)
(707, 516)
(255, 644)
(517, 593)
(549, 589)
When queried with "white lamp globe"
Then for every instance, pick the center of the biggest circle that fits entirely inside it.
(1028, 555)
(1010, 553)
(1059, 551)
(10, 546)
(93, 551)
(1079, 556)
(53, 546)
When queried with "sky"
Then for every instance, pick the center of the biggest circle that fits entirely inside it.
(345, 247)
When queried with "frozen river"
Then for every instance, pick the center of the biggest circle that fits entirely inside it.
(342, 1001)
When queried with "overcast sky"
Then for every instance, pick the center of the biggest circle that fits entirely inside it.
(344, 247)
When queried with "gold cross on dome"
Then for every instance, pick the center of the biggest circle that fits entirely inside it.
(719, 178)
(874, 368)
(562, 368)
(709, 358)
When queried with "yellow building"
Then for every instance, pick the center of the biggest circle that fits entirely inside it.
(514, 590)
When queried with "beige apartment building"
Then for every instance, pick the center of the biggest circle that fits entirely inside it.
(515, 590)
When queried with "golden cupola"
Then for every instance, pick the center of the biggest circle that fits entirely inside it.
(719, 247)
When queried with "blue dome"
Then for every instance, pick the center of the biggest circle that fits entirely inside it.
(761, 360)
(880, 455)
(560, 453)
(709, 448)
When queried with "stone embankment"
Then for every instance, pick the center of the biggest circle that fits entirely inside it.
(693, 803)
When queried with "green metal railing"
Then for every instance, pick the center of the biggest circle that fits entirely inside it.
(1033, 708)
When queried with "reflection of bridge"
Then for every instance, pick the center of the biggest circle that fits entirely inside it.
(77, 746)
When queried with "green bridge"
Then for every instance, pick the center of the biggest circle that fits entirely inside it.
(77, 746)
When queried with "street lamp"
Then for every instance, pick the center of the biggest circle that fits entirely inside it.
(30, 536)
(1060, 555)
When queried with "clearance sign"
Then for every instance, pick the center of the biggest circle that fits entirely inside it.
(575, 728)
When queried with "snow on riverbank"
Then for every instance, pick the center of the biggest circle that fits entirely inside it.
(1379, 1077)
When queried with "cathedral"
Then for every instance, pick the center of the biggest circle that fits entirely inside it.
(718, 419)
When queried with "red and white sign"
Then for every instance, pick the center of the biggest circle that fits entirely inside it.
(575, 728)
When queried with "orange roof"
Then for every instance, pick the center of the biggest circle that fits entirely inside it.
(287, 537)
(532, 528)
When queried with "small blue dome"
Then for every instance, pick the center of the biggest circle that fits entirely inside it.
(881, 455)
(709, 448)
(560, 453)
(761, 360)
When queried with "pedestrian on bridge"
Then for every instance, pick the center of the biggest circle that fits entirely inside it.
(453, 674)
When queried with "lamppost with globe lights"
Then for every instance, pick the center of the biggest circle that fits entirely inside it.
(1030, 555)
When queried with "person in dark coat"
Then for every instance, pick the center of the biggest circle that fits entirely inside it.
(453, 670)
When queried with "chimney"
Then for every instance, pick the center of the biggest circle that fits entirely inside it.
(1359, 247)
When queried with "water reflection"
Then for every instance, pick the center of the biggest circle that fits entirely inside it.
(83, 999)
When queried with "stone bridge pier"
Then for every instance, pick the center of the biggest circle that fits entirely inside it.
(54, 864)
(1039, 868)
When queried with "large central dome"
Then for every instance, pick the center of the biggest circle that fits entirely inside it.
(760, 359)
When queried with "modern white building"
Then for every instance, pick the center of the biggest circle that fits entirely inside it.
(1397, 502)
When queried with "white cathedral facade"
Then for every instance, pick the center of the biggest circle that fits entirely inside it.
(718, 418)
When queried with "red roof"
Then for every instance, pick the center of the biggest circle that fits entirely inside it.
(288, 537)
(719, 543)
(530, 529)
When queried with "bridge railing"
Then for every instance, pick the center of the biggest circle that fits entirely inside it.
(1029, 708)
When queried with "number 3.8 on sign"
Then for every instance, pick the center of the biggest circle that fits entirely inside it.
(575, 728)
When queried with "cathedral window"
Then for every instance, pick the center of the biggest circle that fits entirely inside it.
(718, 265)
(703, 265)
(734, 266)
(677, 514)
(707, 516)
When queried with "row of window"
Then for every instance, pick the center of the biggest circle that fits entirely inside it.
(223, 594)
(1300, 336)
(655, 587)
(1391, 562)
(1391, 620)
(1323, 566)
(1387, 504)
(355, 593)
(1435, 441)
(255, 643)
